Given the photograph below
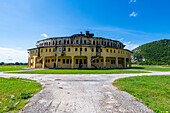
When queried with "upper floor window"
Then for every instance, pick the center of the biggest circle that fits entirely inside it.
(53, 49)
(49, 50)
(84, 41)
(80, 49)
(68, 41)
(85, 49)
(71, 41)
(49, 43)
(60, 49)
(93, 42)
(46, 50)
(53, 42)
(100, 50)
(77, 41)
(107, 50)
(64, 41)
(64, 49)
(56, 43)
(111, 51)
(75, 49)
(60, 42)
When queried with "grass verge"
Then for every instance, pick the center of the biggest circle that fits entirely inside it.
(153, 91)
(151, 67)
(61, 71)
(12, 67)
(14, 93)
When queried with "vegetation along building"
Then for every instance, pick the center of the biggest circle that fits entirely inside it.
(79, 51)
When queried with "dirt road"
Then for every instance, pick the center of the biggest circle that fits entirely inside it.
(82, 94)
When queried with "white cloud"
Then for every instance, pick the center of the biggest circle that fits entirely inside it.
(130, 46)
(132, 1)
(44, 35)
(10, 55)
(133, 14)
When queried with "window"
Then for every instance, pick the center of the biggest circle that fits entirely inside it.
(52, 60)
(63, 61)
(48, 60)
(85, 49)
(80, 41)
(60, 42)
(101, 60)
(80, 61)
(41, 50)
(101, 50)
(49, 43)
(114, 51)
(75, 49)
(56, 43)
(53, 42)
(111, 51)
(46, 50)
(68, 49)
(97, 50)
(59, 60)
(64, 41)
(77, 61)
(97, 43)
(80, 49)
(108, 60)
(49, 50)
(111, 61)
(71, 41)
(53, 49)
(67, 61)
(97, 61)
(92, 49)
(68, 41)
(107, 50)
(107, 43)
(85, 61)
(64, 49)
(93, 42)
(70, 61)
(77, 41)
(60, 49)
(84, 41)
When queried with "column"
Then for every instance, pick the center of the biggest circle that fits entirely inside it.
(117, 62)
(89, 62)
(104, 61)
(124, 62)
(34, 62)
(56, 61)
(29, 62)
(43, 63)
(72, 64)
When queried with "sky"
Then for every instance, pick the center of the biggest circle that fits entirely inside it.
(133, 22)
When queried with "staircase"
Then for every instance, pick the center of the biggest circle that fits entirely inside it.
(94, 59)
(38, 60)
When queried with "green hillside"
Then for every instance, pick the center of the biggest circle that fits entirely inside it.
(157, 52)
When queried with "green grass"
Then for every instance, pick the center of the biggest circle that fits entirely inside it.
(151, 67)
(14, 93)
(61, 71)
(153, 91)
(12, 67)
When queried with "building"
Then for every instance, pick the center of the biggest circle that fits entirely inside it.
(79, 51)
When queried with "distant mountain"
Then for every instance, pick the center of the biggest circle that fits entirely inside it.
(157, 52)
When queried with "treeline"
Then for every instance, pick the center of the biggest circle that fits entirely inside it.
(16, 63)
(154, 53)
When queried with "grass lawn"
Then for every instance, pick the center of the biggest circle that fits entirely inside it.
(61, 71)
(153, 91)
(14, 93)
(12, 67)
(151, 67)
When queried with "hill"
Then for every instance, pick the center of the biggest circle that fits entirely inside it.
(157, 52)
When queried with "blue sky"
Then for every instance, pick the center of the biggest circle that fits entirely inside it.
(133, 22)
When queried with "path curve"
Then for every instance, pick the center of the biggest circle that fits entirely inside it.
(81, 93)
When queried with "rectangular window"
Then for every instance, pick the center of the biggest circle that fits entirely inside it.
(46, 50)
(75, 49)
(48, 60)
(70, 61)
(97, 50)
(68, 49)
(63, 61)
(80, 61)
(80, 49)
(111, 61)
(85, 49)
(49, 50)
(53, 49)
(77, 61)
(97, 61)
(67, 61)
(101, 50)
(52, 60)
(59, 60)
(60, 49)
(64, 49)
(111, 51)
(101, 60)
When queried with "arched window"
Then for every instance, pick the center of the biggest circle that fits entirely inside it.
(68, 41)
(53, 42)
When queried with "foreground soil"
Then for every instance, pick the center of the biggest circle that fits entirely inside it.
(86, 93)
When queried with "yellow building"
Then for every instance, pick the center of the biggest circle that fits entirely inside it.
(79, 51)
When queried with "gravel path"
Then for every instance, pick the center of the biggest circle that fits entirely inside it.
(90, 93)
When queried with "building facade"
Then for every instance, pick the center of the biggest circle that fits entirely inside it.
(79, 51)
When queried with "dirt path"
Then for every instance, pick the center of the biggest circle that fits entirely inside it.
(82, 94)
